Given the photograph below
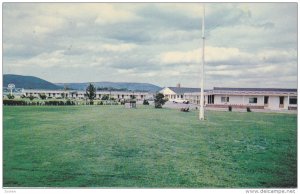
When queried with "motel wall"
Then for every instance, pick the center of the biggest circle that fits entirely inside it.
(239, 100)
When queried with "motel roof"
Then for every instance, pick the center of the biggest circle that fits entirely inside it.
(255, 89)
(181, 90)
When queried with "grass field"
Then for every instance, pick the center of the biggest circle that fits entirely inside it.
(110, 146)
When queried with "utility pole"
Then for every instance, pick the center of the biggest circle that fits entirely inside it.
(201, 113)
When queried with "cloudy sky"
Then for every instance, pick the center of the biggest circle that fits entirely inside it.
(247, 44)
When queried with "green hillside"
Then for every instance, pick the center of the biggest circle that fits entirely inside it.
(28, 82)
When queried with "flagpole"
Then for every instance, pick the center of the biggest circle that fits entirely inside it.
(201, 113)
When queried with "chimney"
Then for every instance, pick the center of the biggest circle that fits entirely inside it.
(178, 85)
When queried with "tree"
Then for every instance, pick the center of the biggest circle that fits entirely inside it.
(91, 93)
(159, 100)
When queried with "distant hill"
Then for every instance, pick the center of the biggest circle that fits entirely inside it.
(31, 82)
(28, 82)
(117, 85)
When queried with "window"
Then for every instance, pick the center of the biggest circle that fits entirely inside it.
(293, 100)
(252, 100)
(224, 99)
(210, 99)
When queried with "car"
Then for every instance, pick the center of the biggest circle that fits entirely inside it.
(181, 101)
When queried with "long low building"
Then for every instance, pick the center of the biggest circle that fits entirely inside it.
(75, 94)
(221, 97)
(218, 97)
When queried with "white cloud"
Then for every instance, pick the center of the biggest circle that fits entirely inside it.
(278, 55)
(212, 54)
(118, 47)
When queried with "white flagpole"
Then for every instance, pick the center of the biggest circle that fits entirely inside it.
(201, 114)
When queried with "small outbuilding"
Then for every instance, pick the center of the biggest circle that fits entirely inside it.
(130, 104)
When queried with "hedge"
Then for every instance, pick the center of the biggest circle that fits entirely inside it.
(24, 103)
(14, 102)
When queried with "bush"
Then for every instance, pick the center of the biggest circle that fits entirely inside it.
(54, 103)
(100, 103)
(14, 102)
(31, 97)
(69, 102)
(122, 101)
(42, 96)
(10, 96)
(145, 102)
(104, 97)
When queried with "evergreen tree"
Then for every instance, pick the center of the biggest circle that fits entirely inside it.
(159, 100)
(91, 93)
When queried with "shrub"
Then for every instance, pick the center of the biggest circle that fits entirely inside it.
(31, 97)
(69, 102)
(10, 96)
(104, 97)
(53, 103)
(145, 102)
(100, 103)
(14, 102)
(122, 101)
(23, 96)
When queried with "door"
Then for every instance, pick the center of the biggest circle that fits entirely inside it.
(266, 101)
(281, 101)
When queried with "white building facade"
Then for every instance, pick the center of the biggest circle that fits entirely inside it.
(74, 94)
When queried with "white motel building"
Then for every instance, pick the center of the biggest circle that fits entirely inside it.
(77, 94)
(221, 97)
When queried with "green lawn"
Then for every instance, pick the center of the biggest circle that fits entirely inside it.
(110, 146)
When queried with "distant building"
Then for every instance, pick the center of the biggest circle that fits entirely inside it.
(75, 94)
(179, 93)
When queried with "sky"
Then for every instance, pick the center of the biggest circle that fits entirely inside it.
(246, 44)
